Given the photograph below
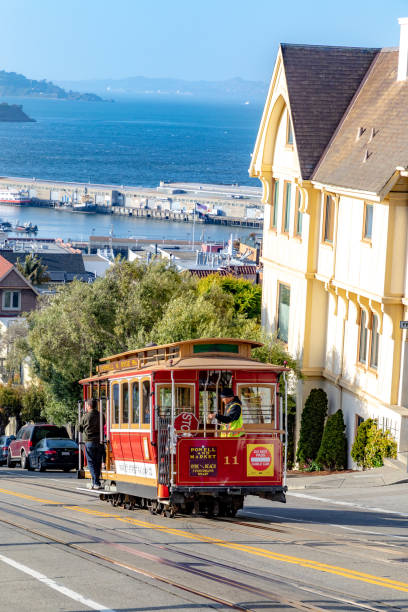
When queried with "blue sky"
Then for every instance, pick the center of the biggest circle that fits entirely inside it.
(210, 40)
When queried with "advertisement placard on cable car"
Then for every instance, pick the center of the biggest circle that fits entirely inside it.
(252, 460)
(186, 422)
(203, 461)
(260, 460)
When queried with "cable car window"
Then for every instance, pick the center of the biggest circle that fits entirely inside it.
(115, 396)
(184, 399)
(208, 399)
(125, 403)
(258, 403)
(146, 402)
(135, 402)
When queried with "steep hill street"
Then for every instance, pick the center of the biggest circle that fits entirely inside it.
(329, 548)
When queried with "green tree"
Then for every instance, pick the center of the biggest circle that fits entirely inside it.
(10, 404)
(33, 269)
(33, 402)
(311, 427)
(246, 296)
(333, 449)
(372, 445)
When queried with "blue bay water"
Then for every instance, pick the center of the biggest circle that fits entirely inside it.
(137, 142)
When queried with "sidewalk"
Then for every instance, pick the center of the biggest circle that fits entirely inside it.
(376, 477)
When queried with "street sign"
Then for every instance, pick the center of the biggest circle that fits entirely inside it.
(404, 324)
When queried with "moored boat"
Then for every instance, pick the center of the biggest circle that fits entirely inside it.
(18, 198)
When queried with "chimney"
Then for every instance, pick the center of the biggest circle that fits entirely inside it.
(403, 50)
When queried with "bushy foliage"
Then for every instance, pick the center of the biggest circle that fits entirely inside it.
(311, 427)
(33, 400)
(372, 445)
(246, 296)
(10, 404)
(333, 449)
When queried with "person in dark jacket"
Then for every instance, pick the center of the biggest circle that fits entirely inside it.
(231, 421)
(90, 426)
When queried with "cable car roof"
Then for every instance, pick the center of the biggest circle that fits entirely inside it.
(184, 343)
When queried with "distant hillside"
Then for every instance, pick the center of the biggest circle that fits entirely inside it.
(232, 89)
(13, 113)
(13, 84)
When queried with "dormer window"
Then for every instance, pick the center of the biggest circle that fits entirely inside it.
(11, 300)
(289, 131)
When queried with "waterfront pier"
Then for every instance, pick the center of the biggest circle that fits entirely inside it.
(234, 205)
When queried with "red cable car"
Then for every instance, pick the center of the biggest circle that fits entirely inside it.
(161, 450)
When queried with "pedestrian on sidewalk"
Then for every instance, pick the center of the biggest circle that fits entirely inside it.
(90, 427)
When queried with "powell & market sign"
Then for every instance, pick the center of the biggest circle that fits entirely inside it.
(121, 364)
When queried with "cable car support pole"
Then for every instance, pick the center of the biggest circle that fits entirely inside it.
(285, 462)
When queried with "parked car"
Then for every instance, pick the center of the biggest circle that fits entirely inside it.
(27, 438)
(54, 453)
(4, 446)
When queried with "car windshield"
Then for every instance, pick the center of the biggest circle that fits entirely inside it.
(61, 443)
(3, 440)
(51, 431)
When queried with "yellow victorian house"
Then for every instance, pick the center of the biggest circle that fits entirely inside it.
(332, 156)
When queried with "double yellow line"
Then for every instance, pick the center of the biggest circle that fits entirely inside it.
(252, 550)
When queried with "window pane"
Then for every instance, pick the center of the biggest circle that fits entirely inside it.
(329, 220)
(258, 404)
(299, 216)
(164, 401)
(283, 312)
(16, 296)
(115, 411)
(146, 402)
(368, 221)
(275, 204)
(362, 353)
(135, 402)
(375, 338)
(287, 207)
(184, 400)
(289, 136)
(125, 403)
(7, 299)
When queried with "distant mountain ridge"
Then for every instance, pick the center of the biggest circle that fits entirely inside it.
(14, 84)
(236, 89)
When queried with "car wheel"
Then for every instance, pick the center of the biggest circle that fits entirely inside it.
(10, 464)
(30, 467)
(41, 466)
(24, 461)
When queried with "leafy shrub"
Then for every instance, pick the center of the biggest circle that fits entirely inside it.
(312, 466)
(311, 427)
(333, 449)
(372, 445)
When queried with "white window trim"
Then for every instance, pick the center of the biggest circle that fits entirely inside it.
(4, 307)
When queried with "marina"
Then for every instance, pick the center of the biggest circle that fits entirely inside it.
(80, 227)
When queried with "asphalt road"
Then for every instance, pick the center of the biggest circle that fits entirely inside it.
(327, 549)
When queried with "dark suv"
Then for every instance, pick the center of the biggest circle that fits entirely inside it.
(27, 437)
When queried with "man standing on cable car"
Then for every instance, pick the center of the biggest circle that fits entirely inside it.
(231, 421)
(90, 426)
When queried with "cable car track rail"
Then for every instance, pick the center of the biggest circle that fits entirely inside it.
(232, 605)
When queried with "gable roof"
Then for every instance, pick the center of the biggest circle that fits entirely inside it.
(367, 163)
(71, 263)
(5, 267)
(321, 82)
